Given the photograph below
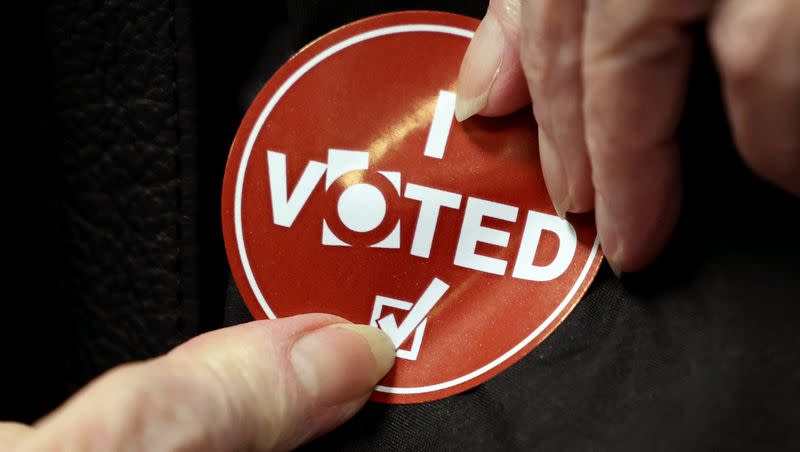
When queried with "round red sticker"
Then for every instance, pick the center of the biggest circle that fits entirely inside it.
(351, 189)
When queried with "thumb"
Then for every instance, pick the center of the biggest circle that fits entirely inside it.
(491, 81)
(265, 385)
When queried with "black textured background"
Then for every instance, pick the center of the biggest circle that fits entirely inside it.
(129, 108)
(108, 211)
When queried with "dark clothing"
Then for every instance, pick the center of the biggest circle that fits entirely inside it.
(132, 107)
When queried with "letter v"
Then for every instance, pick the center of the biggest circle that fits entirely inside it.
(286, 208)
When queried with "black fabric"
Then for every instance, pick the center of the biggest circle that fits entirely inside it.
(132, 107)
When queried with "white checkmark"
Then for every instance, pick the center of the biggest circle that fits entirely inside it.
(416, 315)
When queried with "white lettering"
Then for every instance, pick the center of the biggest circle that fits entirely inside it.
(531, 237)
(473, 232)
(363, 206)
(285, 208)
(440, 126)
(431, 201)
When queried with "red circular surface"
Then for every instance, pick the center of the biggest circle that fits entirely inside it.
(373, 86)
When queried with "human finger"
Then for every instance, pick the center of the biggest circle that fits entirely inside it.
(636, 58)
(550, 48)
(490, 81)
(757, 48)
(12, 434)
(265, 385)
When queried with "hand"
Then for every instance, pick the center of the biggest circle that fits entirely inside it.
(264, 385)
(607, 79)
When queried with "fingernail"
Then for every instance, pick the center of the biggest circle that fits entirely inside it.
(479, 68)
(615, 267)
(553, 172)
(340, 362)
(381, 346)
(607, 230)
(562, 207)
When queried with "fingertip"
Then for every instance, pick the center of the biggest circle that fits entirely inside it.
(634, 86)
(468, 107)
(553, 173)
(510, 90)
(634, 227)
(490, 80)
(479, 68)
(761, 84)
(507, 94)
(380, 345)
(341, 362)
(615, 268)
(580, 186)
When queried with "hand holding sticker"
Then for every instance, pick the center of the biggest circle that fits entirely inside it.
(355, 193)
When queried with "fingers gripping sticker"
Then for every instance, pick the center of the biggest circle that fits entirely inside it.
(351, 190)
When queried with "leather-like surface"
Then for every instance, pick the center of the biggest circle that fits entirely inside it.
(115, 215)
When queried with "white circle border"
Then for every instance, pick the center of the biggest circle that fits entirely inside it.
(237, 209)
